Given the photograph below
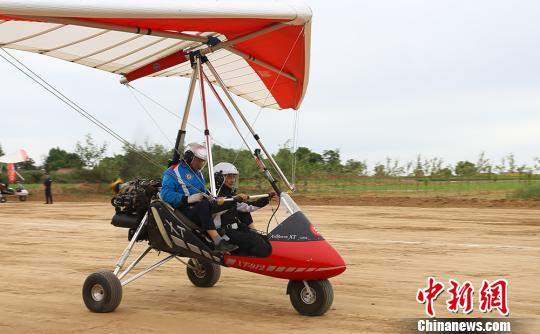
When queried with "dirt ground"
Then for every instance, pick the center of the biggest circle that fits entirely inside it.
(48, 250)
(100, 193)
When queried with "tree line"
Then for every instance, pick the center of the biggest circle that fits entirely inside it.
(88, 163)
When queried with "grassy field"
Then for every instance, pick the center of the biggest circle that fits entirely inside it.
(488, 189)
(349, 187)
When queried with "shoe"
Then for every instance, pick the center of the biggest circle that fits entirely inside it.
(225, 247)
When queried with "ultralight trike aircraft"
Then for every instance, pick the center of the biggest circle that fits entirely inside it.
(13, 176)
(258, 51)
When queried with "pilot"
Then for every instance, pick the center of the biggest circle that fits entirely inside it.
(236, 223)
(183, 187)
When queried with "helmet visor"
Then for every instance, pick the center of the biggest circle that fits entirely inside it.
(229, 181)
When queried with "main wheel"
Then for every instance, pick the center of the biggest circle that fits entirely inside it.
(313, 300)
(102, 292)
(22, 198)
(205, 275)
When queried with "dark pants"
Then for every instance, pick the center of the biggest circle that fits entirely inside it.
(245, 217)
(249, 242)
(201, 214)
(48, 195)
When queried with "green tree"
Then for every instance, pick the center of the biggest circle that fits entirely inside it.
(29, 164)
(1, 151)
(443, 173)
(307, 156)
(332, 161)
(136, 166)
(242, 159)
(419, 169)
(380, 171)
(435, 166)
(284, 159)
(109, 168)
(536, 166)
(501, 168)
(89, 152)
(392, 167)
(59, 158)
(331, 157)
(465, 168)
(483, 165)
(356, 167)
(511, 160)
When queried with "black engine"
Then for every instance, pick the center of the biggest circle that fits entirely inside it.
(131, 204)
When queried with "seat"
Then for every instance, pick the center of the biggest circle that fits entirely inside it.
(196, 229)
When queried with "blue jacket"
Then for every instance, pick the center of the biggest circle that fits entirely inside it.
(175, 188)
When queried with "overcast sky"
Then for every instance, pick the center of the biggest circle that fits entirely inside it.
(388, 78)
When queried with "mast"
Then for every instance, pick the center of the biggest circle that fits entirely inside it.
(199, 60)
(181, 136)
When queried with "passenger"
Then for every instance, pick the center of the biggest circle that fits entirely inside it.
(117, 185)
(236, 223)
(183, 187)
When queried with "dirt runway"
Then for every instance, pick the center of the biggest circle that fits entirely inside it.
(46, 252)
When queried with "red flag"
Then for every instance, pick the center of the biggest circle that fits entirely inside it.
(11, 173)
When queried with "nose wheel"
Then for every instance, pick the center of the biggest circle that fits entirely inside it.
(311, 298)
(102, 292)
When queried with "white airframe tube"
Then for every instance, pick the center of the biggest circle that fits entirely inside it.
(180, 142)
(246, 122)
(206, 131)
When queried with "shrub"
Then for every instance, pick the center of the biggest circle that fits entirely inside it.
(79, 176)
(31, 176)
(529, 192)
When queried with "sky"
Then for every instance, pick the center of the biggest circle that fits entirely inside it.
(446, 79)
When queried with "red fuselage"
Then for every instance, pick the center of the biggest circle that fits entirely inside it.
(308, 260)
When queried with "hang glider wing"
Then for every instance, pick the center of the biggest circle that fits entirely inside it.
(260, 49)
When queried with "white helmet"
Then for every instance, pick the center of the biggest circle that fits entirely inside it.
(198, 150)
(225, 168)
(221, 170)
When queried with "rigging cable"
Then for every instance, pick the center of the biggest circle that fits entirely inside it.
(271, 89)
(149, 115)
(149, 98)
(272, 216)
(56, 93)
(70, 103)
(294, 147)
(133, 89)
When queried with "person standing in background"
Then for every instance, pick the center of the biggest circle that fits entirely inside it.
(48, 193)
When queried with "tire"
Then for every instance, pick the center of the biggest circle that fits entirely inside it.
(102, 292)
(314, 305)
(207, 276)
(22, 198)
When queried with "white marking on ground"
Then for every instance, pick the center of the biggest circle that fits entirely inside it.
(405, 242)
